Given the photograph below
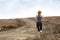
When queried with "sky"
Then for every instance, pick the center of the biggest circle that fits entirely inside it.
(28, 8)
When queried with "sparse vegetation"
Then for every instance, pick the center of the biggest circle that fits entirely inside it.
(20, 22)
(26, 28)
(12, 25)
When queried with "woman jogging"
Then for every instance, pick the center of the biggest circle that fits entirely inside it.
(39, 22)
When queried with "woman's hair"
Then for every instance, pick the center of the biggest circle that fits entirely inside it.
(39, 12)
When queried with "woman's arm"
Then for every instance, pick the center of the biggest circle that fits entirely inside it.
(36, 18)
(42, 16)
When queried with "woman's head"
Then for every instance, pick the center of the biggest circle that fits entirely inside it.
(39, 12)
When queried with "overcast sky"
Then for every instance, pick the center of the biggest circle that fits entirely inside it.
(28, 8)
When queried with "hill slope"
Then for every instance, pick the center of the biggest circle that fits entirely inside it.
(25, 29)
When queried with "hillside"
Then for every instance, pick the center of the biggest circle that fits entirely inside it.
(25, 29)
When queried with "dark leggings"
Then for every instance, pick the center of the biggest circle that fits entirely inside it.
(39, 26)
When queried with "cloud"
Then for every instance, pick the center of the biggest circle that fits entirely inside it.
(28, 8)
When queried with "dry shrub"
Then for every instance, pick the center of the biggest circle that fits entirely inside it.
(20, 22)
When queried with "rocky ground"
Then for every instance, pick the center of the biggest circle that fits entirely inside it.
(25, 29)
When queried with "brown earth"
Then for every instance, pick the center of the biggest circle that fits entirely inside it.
(25, 29)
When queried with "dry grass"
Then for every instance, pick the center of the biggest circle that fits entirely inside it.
(25, 29)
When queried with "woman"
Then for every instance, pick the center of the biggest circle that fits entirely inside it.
(39, 22)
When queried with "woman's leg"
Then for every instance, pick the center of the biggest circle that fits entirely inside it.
(41, 28)
(38, 27)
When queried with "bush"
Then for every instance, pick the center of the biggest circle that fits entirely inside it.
(10, 27)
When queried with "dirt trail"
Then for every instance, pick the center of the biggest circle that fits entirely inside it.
(22, 33)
